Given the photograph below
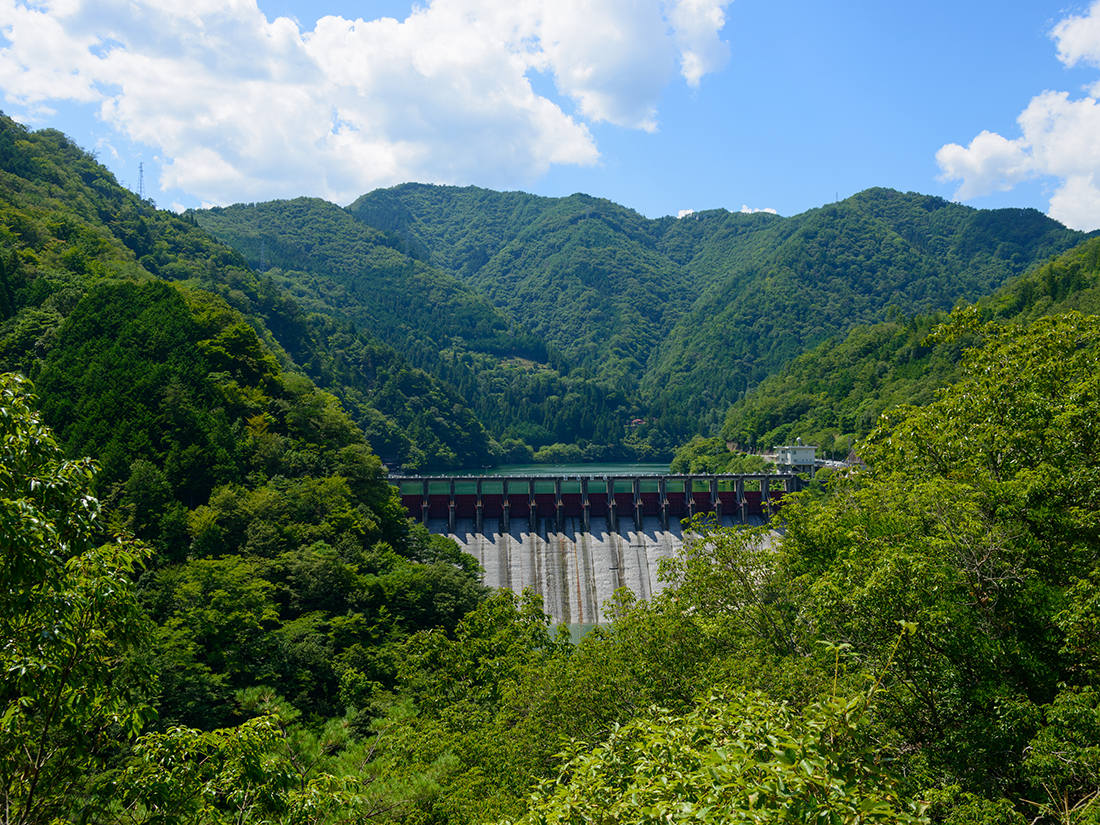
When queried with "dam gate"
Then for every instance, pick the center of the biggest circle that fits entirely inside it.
(575, 539)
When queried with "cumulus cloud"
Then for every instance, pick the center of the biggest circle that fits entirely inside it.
(243, 108)
(1060, 139)
(990, 163)
(1078, 38)
(750, 210)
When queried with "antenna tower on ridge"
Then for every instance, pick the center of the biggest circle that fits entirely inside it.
(141, 181)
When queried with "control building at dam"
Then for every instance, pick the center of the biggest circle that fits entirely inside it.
(575, 539)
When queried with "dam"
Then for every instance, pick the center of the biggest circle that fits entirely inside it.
(575, 539)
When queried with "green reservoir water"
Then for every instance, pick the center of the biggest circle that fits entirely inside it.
(650, 469)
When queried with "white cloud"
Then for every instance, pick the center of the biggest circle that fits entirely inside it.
(1077, 196)
(696, 24)
(1060, 139)
(1079, 38)
(990, 163)
(749, 210)
(247, 109)
(683, 213)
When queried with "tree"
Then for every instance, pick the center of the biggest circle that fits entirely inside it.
(68, 618)
(977, 520)
(267, 769)
(740, 758)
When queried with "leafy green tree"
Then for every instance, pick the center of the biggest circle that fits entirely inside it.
(266, 769)
(69, 620)
(711, 455)
(1063, 760)
(976, 518)
(732, 758)
(733, 580)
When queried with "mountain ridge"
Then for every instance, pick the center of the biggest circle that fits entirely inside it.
(684, 315)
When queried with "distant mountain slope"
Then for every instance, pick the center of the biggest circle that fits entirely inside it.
(1070, 282)
(456, 228)
(695, 311)
(820, 273)
(834, 394)
(406, 302)
(66, 227)
(600, 284)
(585, 275)
(588, 278)
(522, 383)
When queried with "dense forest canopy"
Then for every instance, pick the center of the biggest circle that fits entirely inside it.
(67, 229)
(213, 608)
(920, 645)
(621, 318)
(833, 395)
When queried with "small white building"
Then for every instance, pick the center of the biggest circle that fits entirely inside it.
(798, 457)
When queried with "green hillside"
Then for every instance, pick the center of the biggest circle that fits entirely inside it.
(833, 395)
(521, 383)
(278, 555)
(825, 271)
(365, 274)
(686, 315)
(456, 229)
(66, 226)
(583, 274)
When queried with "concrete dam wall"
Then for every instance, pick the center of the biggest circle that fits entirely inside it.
(575, 540)
(574, 570)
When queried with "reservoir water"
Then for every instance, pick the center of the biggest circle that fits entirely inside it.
(598, 469)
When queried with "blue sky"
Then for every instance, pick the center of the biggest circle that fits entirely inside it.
(660, 105)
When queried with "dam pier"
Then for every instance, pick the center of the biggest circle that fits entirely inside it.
(575, 539)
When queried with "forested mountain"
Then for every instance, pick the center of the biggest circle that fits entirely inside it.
(831, 268)
(370, 275)
(244, 531)
(664, 321)
(521, 383)
(584, 274)
(67, 229)
(833, 395)
(230, 619)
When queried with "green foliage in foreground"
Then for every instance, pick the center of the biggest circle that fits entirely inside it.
(741, 758)
(68, 618)
(80, 682)
(977, 522)
(974, 526)
(769, 682)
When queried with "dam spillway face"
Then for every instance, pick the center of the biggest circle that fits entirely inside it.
(574, 570)
(575, 541)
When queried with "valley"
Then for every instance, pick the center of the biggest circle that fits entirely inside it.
(214, 426)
